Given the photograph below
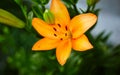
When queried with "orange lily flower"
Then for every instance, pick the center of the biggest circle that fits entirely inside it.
(65, 34)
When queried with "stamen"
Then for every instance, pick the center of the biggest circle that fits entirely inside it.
(59, 25)
(61, 39)
(55, 29)
(66, 28)
(65, 34)
(55, 35)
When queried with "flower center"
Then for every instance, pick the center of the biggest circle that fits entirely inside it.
(61, 32)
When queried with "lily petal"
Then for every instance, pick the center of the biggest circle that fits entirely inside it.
(43, 28)
(45, 44)
(81, 44)
(60, 12)
(81, 23)
(63, 51)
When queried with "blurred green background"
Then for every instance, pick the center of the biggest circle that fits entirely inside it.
(17, 58)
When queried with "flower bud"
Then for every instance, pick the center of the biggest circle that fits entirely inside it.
(11, 20)
(49, 17)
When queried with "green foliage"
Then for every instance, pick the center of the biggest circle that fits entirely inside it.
(72, 8)
(91, 6)
(38, 11)
(23, 7)
(42, 2)
(19, 59)
(92, 2)
(73, 1)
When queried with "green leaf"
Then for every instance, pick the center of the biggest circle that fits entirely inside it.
(18, 2)
(99, 37)
(74, 1)
(43, 2)
(105, 38)
(38, 11)
(92, 2)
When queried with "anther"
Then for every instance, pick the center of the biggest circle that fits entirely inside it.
(59, 25)
(66, 28)
(55, 35)
(55, 29)
(61, 39)
(65, 34)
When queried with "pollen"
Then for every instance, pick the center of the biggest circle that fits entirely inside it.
(55, 35)
(66, 28)
(61, 38)
(61, 32)
(54, 29)
(65, 34)
(59, 25)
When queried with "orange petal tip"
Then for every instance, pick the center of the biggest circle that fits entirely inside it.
(62, 62)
